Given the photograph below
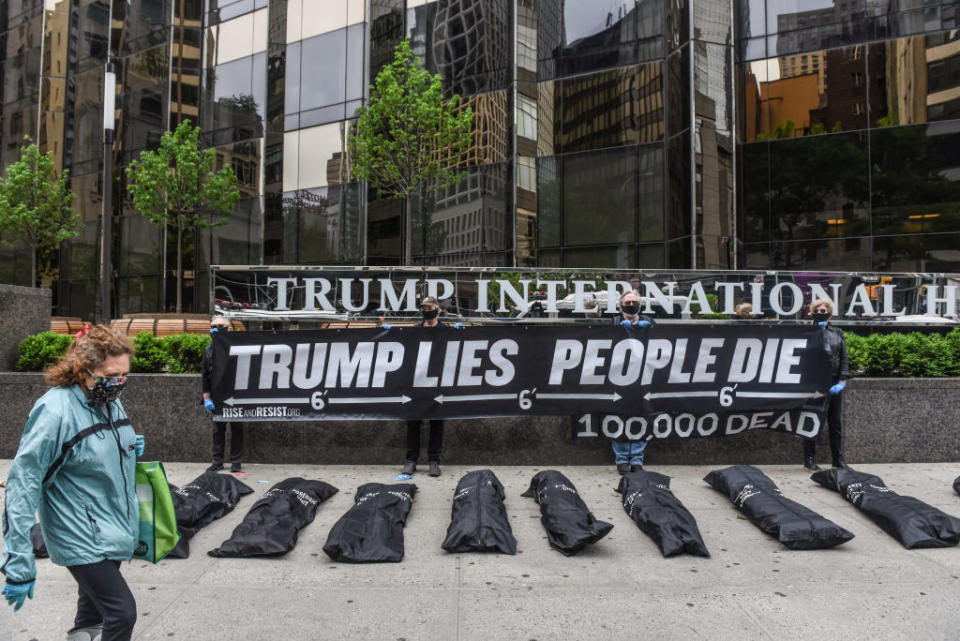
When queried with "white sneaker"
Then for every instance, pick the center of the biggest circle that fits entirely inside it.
(86, 634)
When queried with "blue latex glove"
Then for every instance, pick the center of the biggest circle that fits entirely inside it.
(626, 323)
(643, 323)
(140, 444)
(208, 405)
(17, 595)
(458, 326)
(822, 323)
(836, 389)
(385, 326)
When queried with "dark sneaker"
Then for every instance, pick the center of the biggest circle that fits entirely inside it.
(215, 467)
(839, 462)
(810, 465)
(623, 468)
(634, 467)
(434, 468)
(409, 468)
(235, 467)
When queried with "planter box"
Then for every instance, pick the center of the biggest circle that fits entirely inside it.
(886, 420)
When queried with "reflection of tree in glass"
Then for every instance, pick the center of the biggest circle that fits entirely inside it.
(911, 189)
(810, 175)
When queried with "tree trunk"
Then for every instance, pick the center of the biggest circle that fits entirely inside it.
(179, 266)
(408, 230)
(33, 266)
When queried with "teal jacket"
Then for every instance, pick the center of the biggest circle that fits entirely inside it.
(75, 465)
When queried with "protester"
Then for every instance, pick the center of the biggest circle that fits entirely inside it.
(836, 346)
(207, 368)
(628, 455)
(75, 464)
(430, 309)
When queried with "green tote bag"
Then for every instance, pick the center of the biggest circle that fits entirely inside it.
(158, 520)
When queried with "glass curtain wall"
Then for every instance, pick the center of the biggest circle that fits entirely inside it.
(849, 130)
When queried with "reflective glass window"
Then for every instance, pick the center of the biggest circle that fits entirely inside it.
(234, 97)
(472, 45)
(650, 172)
(619, 107)
(650, 256)
(383, 231)
(600, 197)
(915, 80)
(306, 18)
(677, 24)
(827, 93)
(549, 198)
(819, 187)
(490, 136)
(146, 24)
(678, 91)
(679, 184)
(141, 244)
(89, 34)
(754, 212)
(618, 257)
(920, 253)
(914, 184)
(386, 31)
(315, 157)
(712, 21)
(86, 93)
(850, 254)
(323, 84)
(711, 84)
(587, 36)
(245, 160)
(751, 18)
(237, 38)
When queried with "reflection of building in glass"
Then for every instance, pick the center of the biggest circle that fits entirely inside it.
(801, 64)
(471, 45)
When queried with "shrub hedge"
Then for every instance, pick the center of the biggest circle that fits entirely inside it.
(176, 354)
(911, 355)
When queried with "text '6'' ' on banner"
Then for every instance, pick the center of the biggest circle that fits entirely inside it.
(694, 377)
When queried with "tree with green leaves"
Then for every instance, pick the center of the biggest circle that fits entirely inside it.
(409, 137)
(35, 204)
(179, 185)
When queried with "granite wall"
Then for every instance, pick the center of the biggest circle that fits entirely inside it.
(23, 311)
(886, 420)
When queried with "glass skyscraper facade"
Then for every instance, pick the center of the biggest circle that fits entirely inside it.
(708, 134)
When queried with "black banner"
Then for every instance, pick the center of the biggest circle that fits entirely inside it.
(442, 372)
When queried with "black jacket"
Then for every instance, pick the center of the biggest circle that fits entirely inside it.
(835, 345)
(206, 369)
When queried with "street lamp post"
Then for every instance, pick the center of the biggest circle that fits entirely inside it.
(106, 272)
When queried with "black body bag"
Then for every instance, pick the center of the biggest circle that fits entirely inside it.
(956, 485)
(271, 525)
(647, 500)
(907, 519)
(36, 540)
(569, 524)
(204, 500)
(479, 521)
(761, 501)
(372, 530)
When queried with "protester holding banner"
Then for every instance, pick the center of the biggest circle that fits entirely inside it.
(628, 455)
(208, 366)
(75, 468)
(430, 310)
(836, 347)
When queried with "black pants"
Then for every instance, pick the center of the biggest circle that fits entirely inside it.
(236, 442)
(434, 446)
(104, 598)
(835, 424)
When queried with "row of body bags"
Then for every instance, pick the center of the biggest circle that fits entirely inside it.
(372, 530)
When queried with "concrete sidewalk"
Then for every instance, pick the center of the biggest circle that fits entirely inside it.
(620, 588)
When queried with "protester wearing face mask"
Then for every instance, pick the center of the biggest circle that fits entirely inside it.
(207, 368)
(75, 469)
(430, 310)
(836, 346)
(628, 455)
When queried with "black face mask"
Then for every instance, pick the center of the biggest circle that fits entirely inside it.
(630, 309)
(819, 317)
(430, 314)
(106, 389)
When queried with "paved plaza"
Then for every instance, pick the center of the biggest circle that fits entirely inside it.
(620, 588)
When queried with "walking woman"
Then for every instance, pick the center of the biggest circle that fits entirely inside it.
(75, 464)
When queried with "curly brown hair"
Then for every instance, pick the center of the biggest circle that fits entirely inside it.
(88, 352)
